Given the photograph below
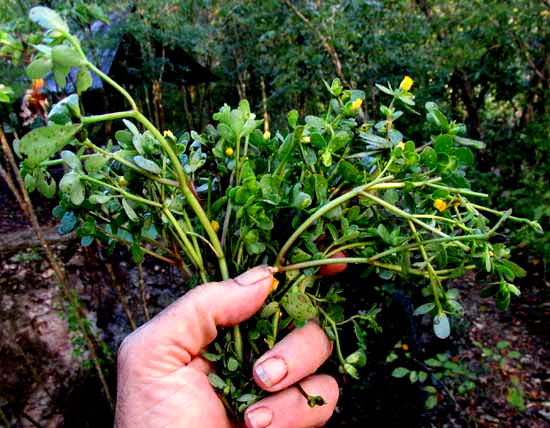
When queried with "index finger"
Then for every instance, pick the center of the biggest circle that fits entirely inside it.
(298, 355)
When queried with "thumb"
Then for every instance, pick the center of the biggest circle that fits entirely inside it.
(183, 329)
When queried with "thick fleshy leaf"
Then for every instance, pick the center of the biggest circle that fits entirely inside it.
(48, 19)
(42, 143)
(71, 185)
(424, 309)
(442, 327)
(148, 165)
(39, 68)
(299, 306)
(66, 56)
(83, 80)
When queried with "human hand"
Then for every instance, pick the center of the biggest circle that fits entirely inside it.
(162, 380)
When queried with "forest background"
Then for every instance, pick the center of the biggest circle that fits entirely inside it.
(486, 63)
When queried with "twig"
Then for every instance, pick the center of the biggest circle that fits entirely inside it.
(142, 291)
(53, 262)
(4, 419)
(324, 41)
(121, 296)
(31, 420)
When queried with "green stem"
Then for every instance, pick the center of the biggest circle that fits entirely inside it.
(315, 216)
(276, 317)
(531, 223)
(87, 120)
(126, 163)
(196, 259)
(407, 216)
(144, 249)
(134, 113)
(189, 195)
(434, 280)
(391, 251)
(238, 338)
(363, 260)
(4, 419)
(114, 84)
(400, 185)
(124, 193)
(461, 191)
(336, 338)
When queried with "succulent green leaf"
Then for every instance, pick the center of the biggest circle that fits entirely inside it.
(39, 68)
(42, 143)
(490, 290)
(299, 306)
(60, 73)
(269, 309)
(71, 160)
(315, 122)
(66, 56)
(83, 80)
(441, 325)
(48, 19)
(130, 212)
(70, 184)
(469, 142)
(252, 242)
(147, 165)
(65, 111)
(292, 118)
(358, 358)
(271, 189)
(68, 223)
(351, 370)
(232, 364)
(216, 381)
(95, 163)
(424, 309)
(400, 372)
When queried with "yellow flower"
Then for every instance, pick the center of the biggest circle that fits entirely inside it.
(267, 135)
(401, 144)
(275, 284)
(356, 104)
(406, 83)
(440, 205)
(169, 134)
(306, 139)
(215, 225)
(229, 151)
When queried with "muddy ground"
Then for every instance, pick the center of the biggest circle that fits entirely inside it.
(46, 379)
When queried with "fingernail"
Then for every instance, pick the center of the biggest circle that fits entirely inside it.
(271, 371)
(258, 418)
(253, 276)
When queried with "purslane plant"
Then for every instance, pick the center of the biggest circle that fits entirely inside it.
(329, 191)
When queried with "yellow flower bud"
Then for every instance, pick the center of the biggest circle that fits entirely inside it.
(440, 205)
(306, 139)
(401, 144)
(406, 83)
(215, 225)
(275, 284)
(167, 133)
(356, 104)
(267, 135)
(229, 151)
